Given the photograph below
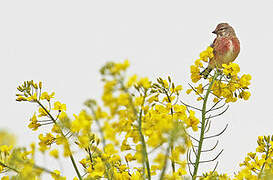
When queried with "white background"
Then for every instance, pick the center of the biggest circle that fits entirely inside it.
(64, 43)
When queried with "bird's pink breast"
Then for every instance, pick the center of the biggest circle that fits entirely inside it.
(226, 49)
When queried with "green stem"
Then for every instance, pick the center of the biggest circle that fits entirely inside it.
(144, 150)
(170, 145)
(142, 139)
(99, 126)
(34, 165)
(169, 148)
(71, 156)
(201, 138)
(7, 166)
(108, 166)
(75, 167)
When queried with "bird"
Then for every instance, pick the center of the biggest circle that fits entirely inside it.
(226, 47)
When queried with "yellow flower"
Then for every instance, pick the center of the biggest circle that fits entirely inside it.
(192, 121)
(153, 99)
(160, 160)
(125, 146)
(34, 124)
(245, 95)
(145, 83)
(21, 98)
(59, 106)
(42, 112)
(98, 169)
(60, 139)
(210, 52)
(189, 91)
(198, 63)
(45, 141)
(180, 111)
(67, 151)
(57, 175)
(245, 80)
(139, 100)
(82, 122)
(215, 100)
(84, 162)
(46, 96)
(54, 153)
(129, 157)
(181, 171)
(132, 80)
(207, 54)
(195, 73)
(100, 114)
(178, 88)
(110, 149)
(56, 128)
(199, 89)
(5, 149)
(84, 141)
(32, 98)
(231, 69)
(123, 99)
(118, 67)
(136, 176)
(154, 140)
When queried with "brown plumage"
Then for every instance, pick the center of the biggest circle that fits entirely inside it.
(226, 48)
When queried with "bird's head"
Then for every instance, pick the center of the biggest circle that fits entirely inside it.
(224, 29)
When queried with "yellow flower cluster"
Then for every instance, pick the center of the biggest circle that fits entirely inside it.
(228, 85)
(4, 153)
(258, 165)
(6, 138)
(213, 175)
(195, 69)
(19, 160)
(153, 105)
(233, 88)
(141, 129)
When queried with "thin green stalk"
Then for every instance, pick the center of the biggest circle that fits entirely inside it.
(108, 166)
(71, 156)
(100, 128)
(171, 142)
(169, 148)
(7, 166)
(34, 165)
(75, 167)
(201, 138)
(144, 150)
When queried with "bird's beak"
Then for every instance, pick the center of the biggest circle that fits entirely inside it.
(214, 32)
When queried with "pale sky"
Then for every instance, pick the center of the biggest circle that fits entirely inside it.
(64, 43)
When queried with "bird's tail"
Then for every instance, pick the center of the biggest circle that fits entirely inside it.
(206, 72)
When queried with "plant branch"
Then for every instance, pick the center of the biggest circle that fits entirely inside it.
(71, 156)
(204, 109)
